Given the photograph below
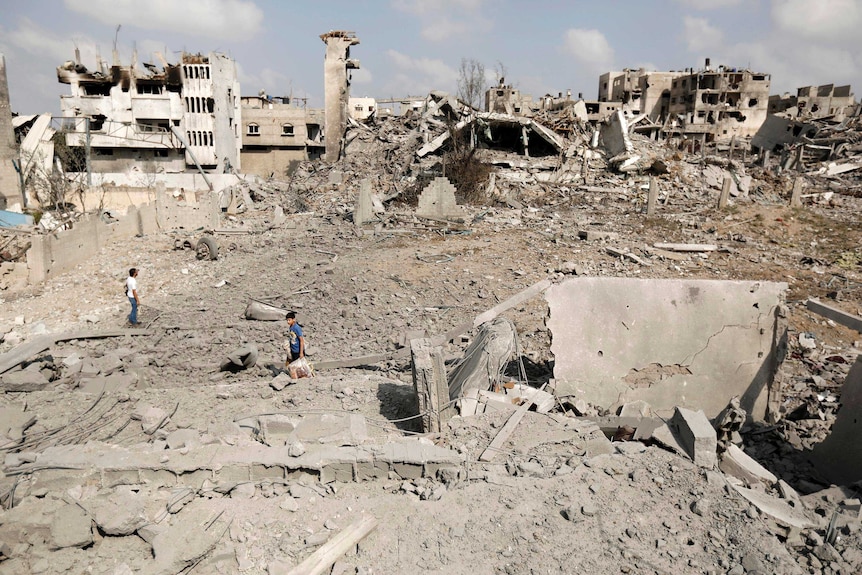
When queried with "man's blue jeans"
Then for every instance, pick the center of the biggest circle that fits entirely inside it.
(133, 317)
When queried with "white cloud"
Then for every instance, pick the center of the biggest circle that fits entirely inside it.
(708, 4)
(436, 23)
(700, 35)
(418, 76)
(590, 48)
(823, 19)
(228, 19)
(37, 41)
(361, 76)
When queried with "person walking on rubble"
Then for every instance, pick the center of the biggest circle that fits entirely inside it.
(295, 340)
(132, 294)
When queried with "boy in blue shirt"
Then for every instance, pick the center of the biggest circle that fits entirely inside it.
(296, 347)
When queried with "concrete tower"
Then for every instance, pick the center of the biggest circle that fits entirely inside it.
(337, 86)
(9, 190)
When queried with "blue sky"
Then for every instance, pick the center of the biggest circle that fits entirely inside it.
(409, 47)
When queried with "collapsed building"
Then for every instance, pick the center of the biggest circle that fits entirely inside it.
(566, 342)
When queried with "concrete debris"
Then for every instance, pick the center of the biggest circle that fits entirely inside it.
(241, 358)
(737, 463)
(415, 250)
(696, 435)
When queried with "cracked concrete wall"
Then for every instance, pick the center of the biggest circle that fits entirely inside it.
(688, 343)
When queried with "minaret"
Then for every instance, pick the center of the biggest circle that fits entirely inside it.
(337, 88)
(10, 192)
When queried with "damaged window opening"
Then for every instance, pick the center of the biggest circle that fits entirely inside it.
(210, 105)
(96, 89)
(253, 130)
(287, 130)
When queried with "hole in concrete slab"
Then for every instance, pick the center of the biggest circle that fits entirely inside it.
(601, 354)
(653, 373)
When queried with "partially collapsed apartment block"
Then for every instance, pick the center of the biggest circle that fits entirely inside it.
(707, 104)
(171, 119)
(719, 104)
(814, 101)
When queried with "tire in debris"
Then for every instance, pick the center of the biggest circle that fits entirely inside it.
(207, 248)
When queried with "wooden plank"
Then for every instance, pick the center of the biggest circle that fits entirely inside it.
(503, 435)
(846, 319)
(687, 247)
(322, 560)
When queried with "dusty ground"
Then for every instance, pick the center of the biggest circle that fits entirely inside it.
(551, 505)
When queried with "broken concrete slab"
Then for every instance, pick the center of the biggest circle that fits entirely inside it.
(23, 380)
(778, 509)
(615, 134)
(687, 343)
(241, 358)
(72, 527)
(264, 312)
(696, 435)
(122, 512)
(362, 212)
(736, 462)
(839, 456)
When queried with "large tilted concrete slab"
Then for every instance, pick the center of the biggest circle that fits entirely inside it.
(689, 343)
(839, 456)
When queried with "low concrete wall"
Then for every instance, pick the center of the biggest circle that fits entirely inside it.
(687, 343)
(60, 252)
(839, 457)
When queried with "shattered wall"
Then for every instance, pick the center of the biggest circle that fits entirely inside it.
(839, 456)
(60, 252)
(689, 343)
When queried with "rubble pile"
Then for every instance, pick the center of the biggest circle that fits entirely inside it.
(185, 446)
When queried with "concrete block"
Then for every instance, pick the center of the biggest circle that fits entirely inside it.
(407, 470)
(367, 470)
(697, 436)
(717, 340)
(258, 472)
(72, 527)
(342, 472)
(736, 462)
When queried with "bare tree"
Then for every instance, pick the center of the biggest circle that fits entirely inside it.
(471, 82)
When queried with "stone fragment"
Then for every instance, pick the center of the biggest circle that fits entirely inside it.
(696, 435)
(739, 464)
(71, 527)
(24, 380)
(183, 438)
(121, 513)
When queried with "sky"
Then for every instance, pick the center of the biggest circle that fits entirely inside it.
(410, 47)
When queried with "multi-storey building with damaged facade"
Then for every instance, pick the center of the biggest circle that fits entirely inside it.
(180, 117)
(707, 104)
(718, 104)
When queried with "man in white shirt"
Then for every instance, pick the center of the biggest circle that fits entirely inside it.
(132, 294)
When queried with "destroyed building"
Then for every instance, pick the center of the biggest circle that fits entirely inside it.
(719, 104)
(815, 102)
(277, 133)
(169, 119)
